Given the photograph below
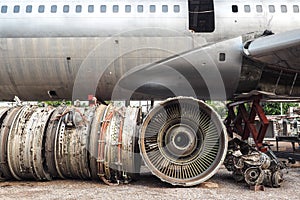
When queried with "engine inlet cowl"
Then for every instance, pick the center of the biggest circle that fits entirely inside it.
(183, 141)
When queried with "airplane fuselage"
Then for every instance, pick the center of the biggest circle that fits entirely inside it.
(70, 49)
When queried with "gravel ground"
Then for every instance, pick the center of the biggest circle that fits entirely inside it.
(221, 186)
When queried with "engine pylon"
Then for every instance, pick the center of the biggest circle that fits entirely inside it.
(183, 141)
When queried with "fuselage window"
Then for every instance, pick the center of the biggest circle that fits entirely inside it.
(247, 8)
(16, 9)
(53, 9)
(176, 8)
(259, 8)
(165, 8)
(115, 8)
(222, 57)
(41, 9)
(4, 9)
(283, 8)
(66, 8)
(201, 15)
(140, 8)
(152, 8)
(29, 9)
(296, 9)
(78, 9)
(127, 8)
(103, 8)
(91, 8)
(271, 8)
(234, 8)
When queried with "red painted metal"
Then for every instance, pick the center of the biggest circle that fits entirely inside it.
(241, 120)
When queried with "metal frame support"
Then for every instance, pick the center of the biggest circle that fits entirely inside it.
(242, 121)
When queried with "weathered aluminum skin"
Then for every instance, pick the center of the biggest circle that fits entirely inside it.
(71, 55)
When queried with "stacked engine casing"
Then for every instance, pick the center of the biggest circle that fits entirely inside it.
(41, 143)
(181, 140)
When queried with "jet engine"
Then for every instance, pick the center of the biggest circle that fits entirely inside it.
(41, 143)
(183, 141)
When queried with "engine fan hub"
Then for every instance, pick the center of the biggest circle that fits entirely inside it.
(179, 142)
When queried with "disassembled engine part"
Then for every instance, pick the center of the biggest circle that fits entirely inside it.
(130, 152)
(252, 166)
(94, 137)
(71, 143)
(16, 153)
(25, 144)
(6, 117)
(183, 141)
(118, 157)
(42, 143)
(50, 140)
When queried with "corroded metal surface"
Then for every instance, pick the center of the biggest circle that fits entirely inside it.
(11, 151)
(71, 155)
(118, 161)
(17, 145)
(182, 141)
(25, 144)
(252, 166)
(41, 143)
(258, 167)
(130, 151)
(94, 137)
(50, 140)
(35, 131)
(5, 124)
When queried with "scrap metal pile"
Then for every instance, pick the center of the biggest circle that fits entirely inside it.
(256, 168)
(182, 141)
(42, 143)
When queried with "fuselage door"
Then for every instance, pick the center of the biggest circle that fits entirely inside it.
(201, 16)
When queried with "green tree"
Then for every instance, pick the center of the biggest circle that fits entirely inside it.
(274, 108)
(219, 107)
